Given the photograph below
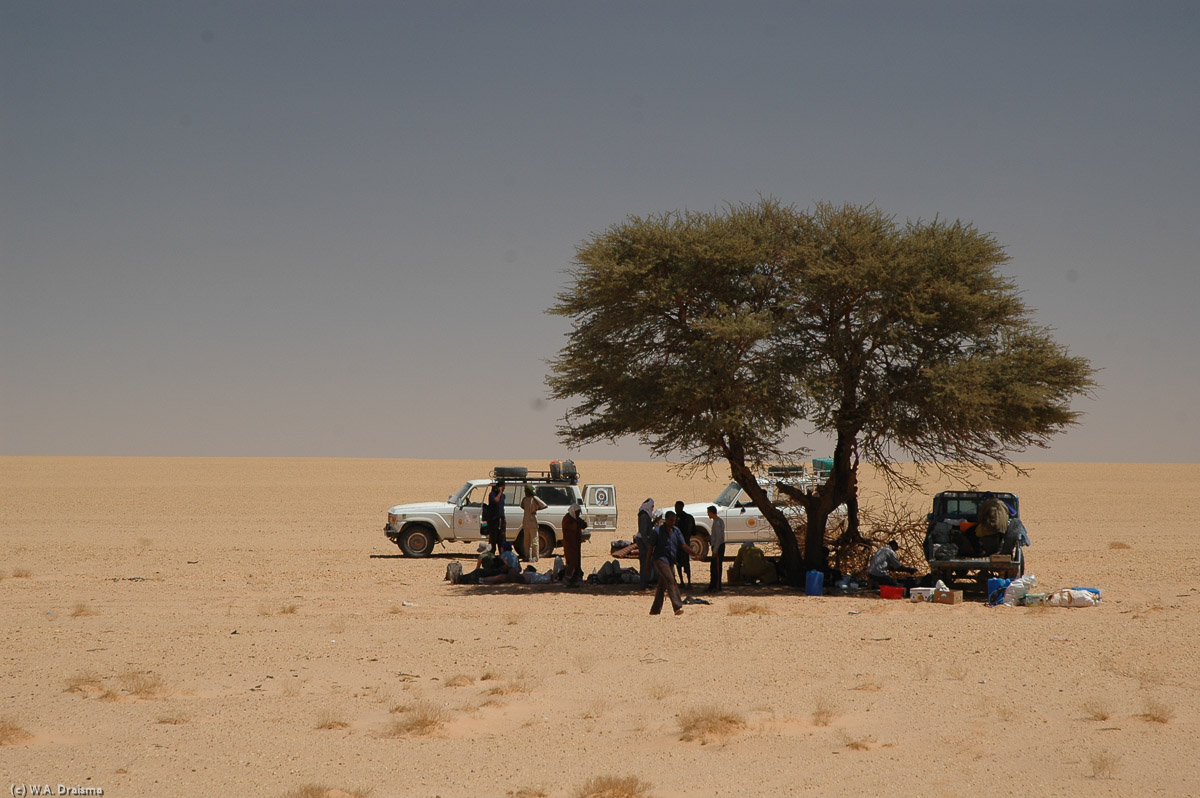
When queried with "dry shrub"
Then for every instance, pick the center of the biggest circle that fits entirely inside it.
(22, 573)
(321, 791)
(1116, 544)
(613, 787)
(1104, 764)
(881, 517)
(143, 684)
(749, 608)
(1097, 711)
(1157, 711)
(522, 683)
(85, 683)
(173, 719)
(824, 712)
(490, 676)
(709, 723)
(82, 610)
(856, 743)
(528, 792)
(11, 733)
(460, 680)
(289, 609)
(331, 719)
(420, 720)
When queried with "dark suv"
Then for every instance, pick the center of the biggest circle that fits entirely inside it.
(956, 554)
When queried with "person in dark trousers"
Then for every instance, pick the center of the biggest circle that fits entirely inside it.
(573, 525)
(645, 543)
(883, 562)
(716, 550)
(493, 513)
(667, 549)
(686, 522)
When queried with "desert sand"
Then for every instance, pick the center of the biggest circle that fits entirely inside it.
(196, 627)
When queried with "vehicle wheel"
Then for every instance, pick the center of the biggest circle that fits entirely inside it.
(545, 541)
(699, 545)
(416, 541)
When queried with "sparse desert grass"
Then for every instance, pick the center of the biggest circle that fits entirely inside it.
(867, 687)
(321, 791)
(331, 719)
(1158, 711)
(824, 711)
(709, 723)
(613, 787)
(521, 683)
(749, 608)
(1104, 764)
(142, 684)
(145, 543)
(11, 732)
(420, 720)
(660, 690)
(460, 680)
(289, 609)
(594, 708)
(83, 610)
(395, 609)
(490, 676)
(856, 743)
(513, 618)
(21, 573)
(1096, 710)
(528, 792)
(85, 683)
(1116, 544)
(173, 719)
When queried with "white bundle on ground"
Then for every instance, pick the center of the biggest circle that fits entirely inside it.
(1018, 588)
(1073, 598)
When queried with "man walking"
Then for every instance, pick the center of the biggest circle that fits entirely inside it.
(687, 526)
(716, 550)
(667, 548)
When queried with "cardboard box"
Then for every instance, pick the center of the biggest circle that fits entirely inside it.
(947, 597)
(920, 593)
(1001, 558)
(1034, 599)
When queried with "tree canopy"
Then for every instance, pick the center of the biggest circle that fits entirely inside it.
(711, 336)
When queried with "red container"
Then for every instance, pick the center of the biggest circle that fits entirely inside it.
(891, 592)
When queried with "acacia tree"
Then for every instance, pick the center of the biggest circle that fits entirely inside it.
(711, 336)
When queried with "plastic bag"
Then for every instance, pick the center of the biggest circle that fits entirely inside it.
(1017, 589)
(1073, 598)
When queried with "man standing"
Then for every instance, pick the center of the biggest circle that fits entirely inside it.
(529, 526)
(716, 550)
(645, 543)
(687, 526)
(884, 561)
(493, 514)
(573, 525)
(667, 548)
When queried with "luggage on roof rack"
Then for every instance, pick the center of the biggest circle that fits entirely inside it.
(563, 469)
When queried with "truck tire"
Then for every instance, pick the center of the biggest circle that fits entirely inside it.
(545, 541)
(416, 540)
(699, 544)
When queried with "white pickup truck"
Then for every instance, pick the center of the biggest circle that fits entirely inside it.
(415, 528)
(744, 521)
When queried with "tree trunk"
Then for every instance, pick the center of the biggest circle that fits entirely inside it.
(789, 544)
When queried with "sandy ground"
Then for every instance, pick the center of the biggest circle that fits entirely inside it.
(188, 626)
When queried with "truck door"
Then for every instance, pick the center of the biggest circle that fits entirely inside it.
(601, 501)
(467, 514)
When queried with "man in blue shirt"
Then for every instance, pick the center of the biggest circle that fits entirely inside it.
(667, 547)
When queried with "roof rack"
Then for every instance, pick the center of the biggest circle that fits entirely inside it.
(536, 477)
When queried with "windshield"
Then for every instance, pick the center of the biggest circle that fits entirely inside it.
(456, 497)
(728, 495)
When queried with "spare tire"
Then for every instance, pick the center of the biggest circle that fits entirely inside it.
(510, 472)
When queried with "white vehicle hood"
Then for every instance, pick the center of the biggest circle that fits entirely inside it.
(422, 507)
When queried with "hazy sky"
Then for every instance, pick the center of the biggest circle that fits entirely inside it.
(301, 228)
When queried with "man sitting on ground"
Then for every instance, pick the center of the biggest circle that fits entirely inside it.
(883, 562)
